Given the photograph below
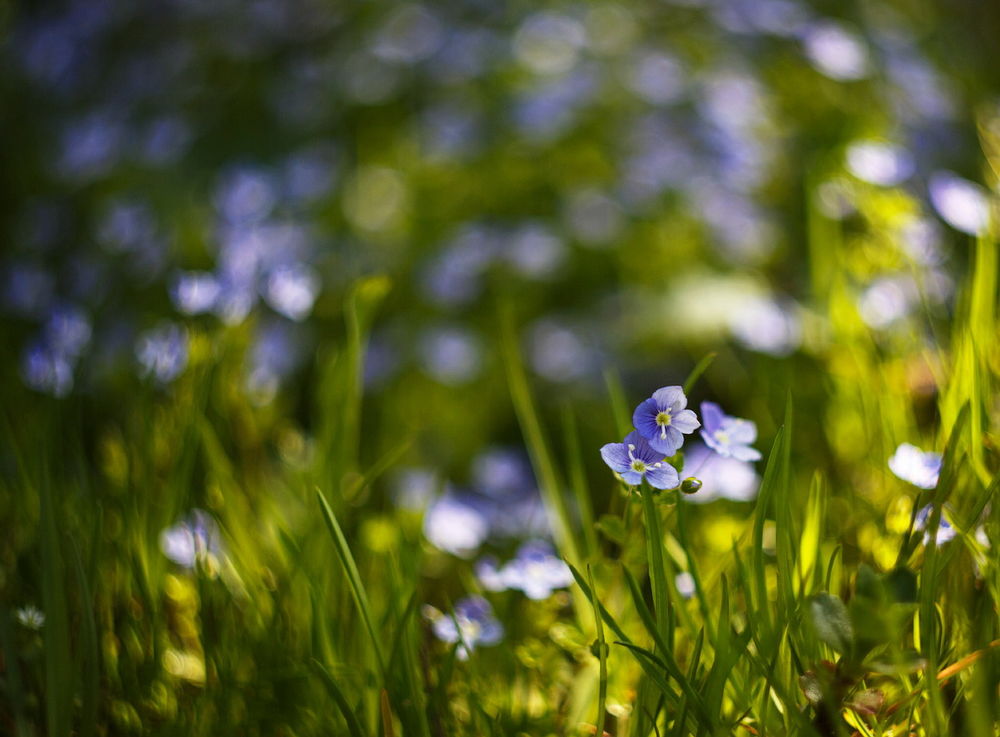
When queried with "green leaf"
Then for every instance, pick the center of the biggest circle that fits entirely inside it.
(833, 625)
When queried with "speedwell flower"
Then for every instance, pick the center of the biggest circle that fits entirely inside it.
(472, 624)
(915, 466)
(728, 436)
(945, 531)
(635, 459)
(663, 421)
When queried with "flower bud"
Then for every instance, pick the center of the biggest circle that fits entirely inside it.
(690, 485)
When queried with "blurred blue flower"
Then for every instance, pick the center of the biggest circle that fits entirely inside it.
(193, 540)
(450, 355)
(46, 370)
(195, 292)
(471, 625)
(634, 459)
(728, 436)
(721, 477)
(915, 466)
(962, 204)
(835, 51)
(536, 570)
(684, 582)
(663, 420)
(945, 531)
(163, 352)
(502, 473)
(456, 524)
(292, 289)
(67, 331)
(27, 289)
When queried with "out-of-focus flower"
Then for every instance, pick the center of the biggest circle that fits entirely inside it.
(836, 52)
(410, 34)
(879, 163)
(501, 473)
(30, 617)
(195, 292)
(594, 218)
(557, 352)
(193, 540)
(945, 531)
(634, 460)
(960, 203)
(534, 251)
(472, 625)
(67, 331)
(887, 300)
(656, 77)
(721, 477)
(728, 436)
(46, 370)
(456, 525)
(765, 325)
(536, 571)
(548, 43)
(450, 355)
(414, 488)
(663, 420)
(163, 352)
(684, 582)
(915, 466)
(246, 194)
(292, 289)
(27, 289)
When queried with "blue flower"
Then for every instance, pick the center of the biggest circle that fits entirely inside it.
(728, 436)
(915, 466)
(472, 624)
(537, 571)
(662, 419)
(634, 459)
(192, 540)
(945, 531)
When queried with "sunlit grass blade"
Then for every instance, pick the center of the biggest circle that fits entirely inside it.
(534, 437)
(353, 578)
(602, 655)
(353, 725)
(700, 368)
(657, 569)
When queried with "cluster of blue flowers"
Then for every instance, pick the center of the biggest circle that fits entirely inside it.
(661, 422)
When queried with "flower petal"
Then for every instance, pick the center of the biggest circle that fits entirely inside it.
(685, 420)
(644, 419)
(744, 453)
(668, 445)
(671, 398)
(712, 416)
(740, 431)
(664, 477)
(632, 478)
(713, 442)
(616, 456)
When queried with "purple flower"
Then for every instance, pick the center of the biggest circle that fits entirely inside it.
(662, 419)
(913, 465)
(634, 459)
(192, 540)
(537, 571)
(728, 436)
(945, 531)
(472, 624)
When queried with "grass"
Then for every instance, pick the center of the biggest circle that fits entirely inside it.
(817, 611)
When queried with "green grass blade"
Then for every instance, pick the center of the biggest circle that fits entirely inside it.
(353, 725)
(698, 370)
(602, 648)
(353, 577)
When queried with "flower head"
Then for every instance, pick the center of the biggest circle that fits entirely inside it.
(728, 436)
(537, 571)
(30, 617)
(634, 459)
(471, 624)
(915, 466)
(192, 540)
(663, 421)
(945, 531)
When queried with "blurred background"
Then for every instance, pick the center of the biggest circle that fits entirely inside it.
(225, 222)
